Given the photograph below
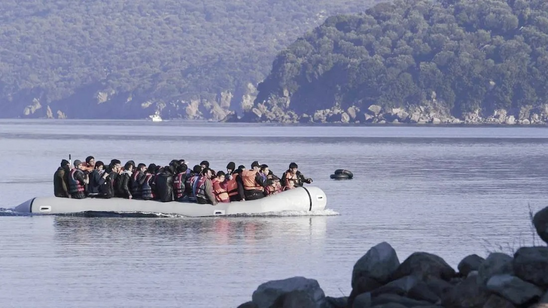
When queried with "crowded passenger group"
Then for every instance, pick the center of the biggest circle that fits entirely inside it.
(174, 182)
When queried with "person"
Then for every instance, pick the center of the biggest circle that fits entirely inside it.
(252, 183)
(190, 183)
(264, 172)
(146, 188)
(124, 182)
(220, 187)
(107, 189)
(89, 165)
(204, 188)
(137, 180)
(77, 181)
(96, 179)
(293, 178)
(232, 186)
(179, 182)
(272, 186)
(164, 184)
(204, 164)
(60, 185)
(230, 168)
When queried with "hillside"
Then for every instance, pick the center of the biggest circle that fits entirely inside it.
(119, 58)
(416, 61)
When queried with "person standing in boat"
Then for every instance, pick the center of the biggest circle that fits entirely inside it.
(293, 178)
(77, 181)
(204, 188)
(60, 184)
(252, 183)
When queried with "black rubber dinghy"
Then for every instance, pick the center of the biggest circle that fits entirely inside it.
(342, 174)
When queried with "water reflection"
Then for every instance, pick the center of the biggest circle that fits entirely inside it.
(190, 232)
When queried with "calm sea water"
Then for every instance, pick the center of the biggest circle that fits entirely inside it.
(449, 191)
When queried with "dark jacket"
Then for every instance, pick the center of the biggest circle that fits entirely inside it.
(106, 190)
(95, 181)
(123, 185)
(301, 179)
(164, 186)
(60, 184)
(137, 181)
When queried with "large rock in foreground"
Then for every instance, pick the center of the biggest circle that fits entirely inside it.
(514, 289)
(469, 264)
(496, 264)
(531, 264)
(305, 292)
(540, 221)
(378, 264)
(423, 264)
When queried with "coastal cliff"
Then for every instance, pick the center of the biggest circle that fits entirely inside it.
(415, 61)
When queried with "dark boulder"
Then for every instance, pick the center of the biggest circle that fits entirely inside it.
(469, 264)
(378, 264)
(496, 301)
(531, 264)
(514, 289)
(423, 264)
(468, 293)
(540, 221)
(496, 264)
(270, 292)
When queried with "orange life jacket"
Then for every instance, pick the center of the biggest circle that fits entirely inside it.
(221, 194)
(232, 185)
(290, 177)
(248, 179)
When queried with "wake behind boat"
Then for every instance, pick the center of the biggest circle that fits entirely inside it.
(307, 199)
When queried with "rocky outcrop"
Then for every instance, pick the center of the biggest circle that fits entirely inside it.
(291, 292)
(423, 280)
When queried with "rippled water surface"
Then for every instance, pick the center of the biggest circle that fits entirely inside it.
(449, 191)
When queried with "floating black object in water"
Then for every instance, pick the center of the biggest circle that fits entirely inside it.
(342, 174)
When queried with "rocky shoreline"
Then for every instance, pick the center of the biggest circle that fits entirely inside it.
(430, 113)
(379, 280)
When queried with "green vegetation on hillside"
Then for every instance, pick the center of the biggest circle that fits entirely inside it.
(153, 49)
(466, 54)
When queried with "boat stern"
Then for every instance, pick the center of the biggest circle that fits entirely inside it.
(25, 207)
(318, 199)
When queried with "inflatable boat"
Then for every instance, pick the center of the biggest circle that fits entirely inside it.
(298, 199)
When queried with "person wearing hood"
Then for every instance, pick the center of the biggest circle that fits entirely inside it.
(164, 184)
(125, 179)
(77, 181)
(60, 184)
